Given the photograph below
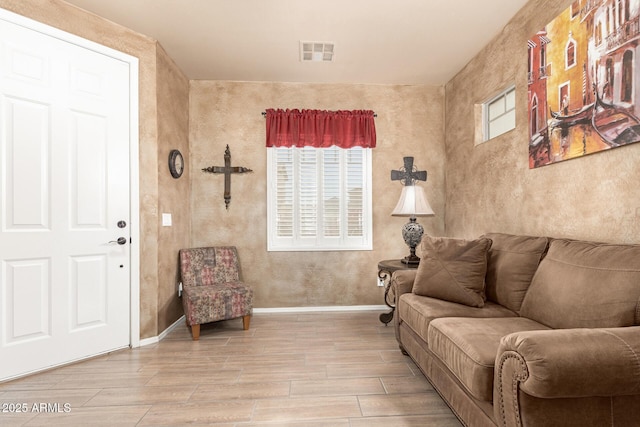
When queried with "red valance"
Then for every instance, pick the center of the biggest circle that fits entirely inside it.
(319, 128)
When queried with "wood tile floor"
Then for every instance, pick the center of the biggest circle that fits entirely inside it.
(296, 369)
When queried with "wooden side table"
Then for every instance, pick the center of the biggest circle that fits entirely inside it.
(385, 270)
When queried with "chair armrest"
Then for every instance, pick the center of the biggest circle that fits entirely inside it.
(402, 282)
(570, 363)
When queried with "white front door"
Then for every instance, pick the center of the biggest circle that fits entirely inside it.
(64, 201)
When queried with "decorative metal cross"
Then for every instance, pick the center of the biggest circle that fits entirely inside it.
(227, 170)
(409, 173)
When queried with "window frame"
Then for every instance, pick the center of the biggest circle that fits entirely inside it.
(296, 243)
(486, 119)
(571, 52)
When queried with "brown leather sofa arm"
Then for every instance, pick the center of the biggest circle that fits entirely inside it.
(565, 363)
(402, 282)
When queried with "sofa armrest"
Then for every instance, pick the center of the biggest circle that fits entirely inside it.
(566, 363)
(402, 282)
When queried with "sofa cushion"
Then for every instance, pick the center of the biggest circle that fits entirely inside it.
(468, 347)
(453, 270)
(418, 311)
(511, 264)
(586, 285)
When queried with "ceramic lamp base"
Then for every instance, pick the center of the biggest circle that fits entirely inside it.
(412, 234)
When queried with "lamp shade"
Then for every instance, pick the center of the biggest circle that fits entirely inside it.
(412, 203)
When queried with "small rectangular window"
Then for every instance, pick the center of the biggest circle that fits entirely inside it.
(499, 114)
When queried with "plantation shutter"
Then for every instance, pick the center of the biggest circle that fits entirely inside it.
(331, 196)
(284, 193)
(355, 196)
(308, 193)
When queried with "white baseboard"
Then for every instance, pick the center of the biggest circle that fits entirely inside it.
(325, 308)
(332, 308)
(153, 340)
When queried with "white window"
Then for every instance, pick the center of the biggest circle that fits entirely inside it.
(319, 199)
(500, 114)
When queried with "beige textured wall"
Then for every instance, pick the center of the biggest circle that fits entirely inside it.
(69, 18)
(409, 123)
(173, 194)
(491, 188)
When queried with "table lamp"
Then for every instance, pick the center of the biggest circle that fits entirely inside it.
(412, 203)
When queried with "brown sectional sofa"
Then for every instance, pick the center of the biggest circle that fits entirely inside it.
(555, 343)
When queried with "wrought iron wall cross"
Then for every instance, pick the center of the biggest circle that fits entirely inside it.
(409, 174)
(227, 170)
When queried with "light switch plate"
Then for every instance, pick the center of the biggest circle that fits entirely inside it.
(166, 220)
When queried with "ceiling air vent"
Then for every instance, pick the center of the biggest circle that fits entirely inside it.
(316, 51)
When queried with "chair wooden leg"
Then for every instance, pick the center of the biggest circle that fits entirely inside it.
(246, 320)
(195, 332)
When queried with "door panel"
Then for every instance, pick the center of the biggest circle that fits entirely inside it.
(88, 291)
(64, 185)
(27, 189)
(88, 168)
(28, 287)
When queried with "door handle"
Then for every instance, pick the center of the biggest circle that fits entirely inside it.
(120, 241)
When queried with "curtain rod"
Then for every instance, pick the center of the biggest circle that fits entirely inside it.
(264, 114)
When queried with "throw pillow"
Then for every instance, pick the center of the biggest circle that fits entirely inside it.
(453, 270)
(585, 285)
(511, 264)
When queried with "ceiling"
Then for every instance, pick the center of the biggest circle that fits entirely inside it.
(376, 41)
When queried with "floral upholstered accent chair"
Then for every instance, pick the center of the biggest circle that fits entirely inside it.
(212, 287)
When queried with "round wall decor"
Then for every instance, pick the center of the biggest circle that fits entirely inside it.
(176, 163)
